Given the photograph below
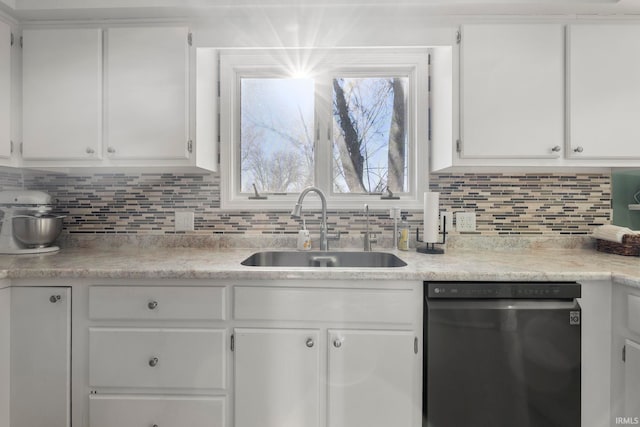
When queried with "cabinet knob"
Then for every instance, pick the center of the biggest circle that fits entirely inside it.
(578, 149)
(153, 362)
(54, 298)
(152, 305)
(337, 343)
(556, 149)
(111, 150)
(310, 342)
(155, 425)
(90, 150)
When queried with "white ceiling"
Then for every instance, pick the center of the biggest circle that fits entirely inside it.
(104, 9)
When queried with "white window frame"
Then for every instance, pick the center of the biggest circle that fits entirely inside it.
(238, 63)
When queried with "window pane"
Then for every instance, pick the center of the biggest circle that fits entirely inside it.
(276, 134)
(370, 134)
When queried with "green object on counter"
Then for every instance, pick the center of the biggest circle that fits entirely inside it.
(624, 184)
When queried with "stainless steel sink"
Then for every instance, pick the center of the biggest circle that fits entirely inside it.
(323, 259)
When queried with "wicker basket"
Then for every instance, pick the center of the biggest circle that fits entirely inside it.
(630, 246)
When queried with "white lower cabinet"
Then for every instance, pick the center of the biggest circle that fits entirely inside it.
(352, 361)
(156, 355)
(161, 411)
(5, 354)
(277, 378)
(632, 380)
(625, 374)
(40, 356)
(372, 379)
(282, 353)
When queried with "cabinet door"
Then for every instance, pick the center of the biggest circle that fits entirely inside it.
(277, 378)
(5, 90)
(5, 354)
(632, 379)
(147, 93)
(40, 357)
(512, 91)
(62, 94)
(374, 379)
(604, 91)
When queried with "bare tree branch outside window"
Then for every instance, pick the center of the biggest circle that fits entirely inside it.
(369, 137)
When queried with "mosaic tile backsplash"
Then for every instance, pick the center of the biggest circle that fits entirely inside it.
(144, 204)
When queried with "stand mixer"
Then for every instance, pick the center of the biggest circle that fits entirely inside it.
(27, 225)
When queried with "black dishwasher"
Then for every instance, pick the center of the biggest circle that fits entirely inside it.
(501, 354)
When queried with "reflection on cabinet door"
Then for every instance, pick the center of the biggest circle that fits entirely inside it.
(277, 378)
(40, 356)
(632, 380)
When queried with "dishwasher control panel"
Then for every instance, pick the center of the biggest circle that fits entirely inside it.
(509, 290)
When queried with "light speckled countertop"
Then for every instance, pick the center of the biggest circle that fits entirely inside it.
(190, 263)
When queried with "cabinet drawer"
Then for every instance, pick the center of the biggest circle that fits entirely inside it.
(633, 313)
(164, 411)
(325, 304)
(176, 358)
(156, 302)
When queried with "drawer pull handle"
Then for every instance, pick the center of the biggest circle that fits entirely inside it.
(310, 342)
(337, 343)
(152, 305)
(155, 425)
(54, 298)
(153, 362)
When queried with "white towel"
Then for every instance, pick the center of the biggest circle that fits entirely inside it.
(612, 233)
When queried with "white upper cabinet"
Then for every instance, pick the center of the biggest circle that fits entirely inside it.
(5, 90)
(62, 94)
(147, 93)
(604, 91)
(512, 92)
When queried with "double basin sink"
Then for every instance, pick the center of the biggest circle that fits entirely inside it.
(324, 259)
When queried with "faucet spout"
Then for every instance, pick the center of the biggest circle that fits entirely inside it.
(297, 212)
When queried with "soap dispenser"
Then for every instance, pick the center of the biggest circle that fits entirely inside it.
(304, 238)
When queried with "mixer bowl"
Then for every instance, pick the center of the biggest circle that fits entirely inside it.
(37, 231)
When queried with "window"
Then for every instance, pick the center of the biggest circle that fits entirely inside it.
(353, 122)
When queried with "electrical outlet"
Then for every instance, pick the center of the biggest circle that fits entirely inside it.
(184, 221)
(448, 217)
(465, 221)
(394, 213)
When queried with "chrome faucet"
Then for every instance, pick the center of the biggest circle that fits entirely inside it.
(297, 211)
(367, 235)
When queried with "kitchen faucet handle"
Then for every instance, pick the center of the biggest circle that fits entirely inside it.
(369, 238)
